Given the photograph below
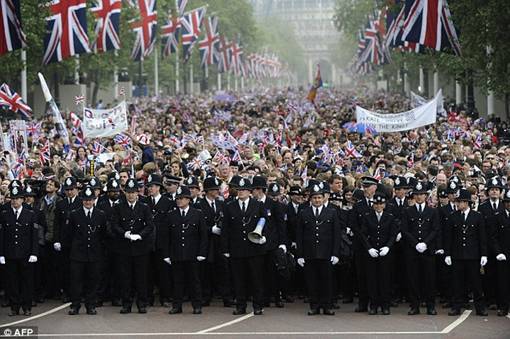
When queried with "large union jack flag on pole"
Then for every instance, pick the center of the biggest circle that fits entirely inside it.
(181, 6)
(224, 55)
(11, 35)
(237, 52)
(191, 23)
(107, 13)
(429, 23)
(209, 45)
(66, 30)
(170, 35)
(13, 101)
(145, 29)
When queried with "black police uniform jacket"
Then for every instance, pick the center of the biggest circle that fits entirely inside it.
(466, 240)
(160, 214)
(356, 220)
(212, 218)
(420, 227)
(186, 238)
(318, 238)
(275, 229)
(62, 211)
(292, 221)
(18, 238)
(236, 227)
(500, 237)
(138, 221)
(87, 236)
(378, 234)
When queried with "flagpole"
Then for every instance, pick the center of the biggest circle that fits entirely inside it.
(206, 76)
(219, 81)
(156, 74)
(24, 93)
(115, 79)
(76, 70)
(235, 83)
(228, 81)
(191, 77)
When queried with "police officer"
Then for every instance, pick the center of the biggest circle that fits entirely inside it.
(63, 208)
(420, 228)
(184, 249)
(133, 230)
(360, 257)
(18, 251)
(109, 287)
(378, 232)
(194, 187)
(275, 233)
(242, 216)
(216, 271)
(159, 271)
(87, 235)
(466, 251)
(490, 209)
(318, 247)
(501, 246)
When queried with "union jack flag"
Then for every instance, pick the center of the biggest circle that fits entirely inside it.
(44, 153)
(107, 13)
(12, 36)
(195, 164)
(181, 6)
(98, 148)
(34, 128)
(236, 62)
(123, 140)
(477, 144)
(67, 30)
(191, 23)
(429, 23)
(170, 35)
(145, 29)
(351, 152)
(79, 140)
(224, 55)
(79, 99)
(13, 101)
(209, 45)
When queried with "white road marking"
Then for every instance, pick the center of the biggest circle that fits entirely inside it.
(457, 322)
(508, 316)
(210, 329)
(53, 310)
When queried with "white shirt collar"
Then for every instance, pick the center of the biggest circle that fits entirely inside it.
(86, 210)
(247, 202)
(263, 199)
(210, 202)
(18, 210)
(319, 209)
(495, 202)
(184, 210)
(156, 199)
(131, 205)
(466, 212)
(422, 206)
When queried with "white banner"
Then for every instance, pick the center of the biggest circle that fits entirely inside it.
(417, 100)
(99, 123)
(398, 122)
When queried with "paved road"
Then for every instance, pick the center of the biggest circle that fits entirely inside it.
(291, 322)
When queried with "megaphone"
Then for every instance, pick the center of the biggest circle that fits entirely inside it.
(256, 236)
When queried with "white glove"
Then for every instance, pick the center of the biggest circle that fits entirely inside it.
(499, 257)
(373, 253)
(334, 260)
(200, 258)
(135, 237)
(483, 261)
(57, 246)
(383, 251)
(421, 247)
(301, 262)
(448, 261)
(2, 260)
(127, 235)
(399, 236)
(441, 252)
(284, 248)
(348, 230)
(293, 245)
(262, 240)
(227, 255)
(216, 230)
(32, 259)
(168, 261)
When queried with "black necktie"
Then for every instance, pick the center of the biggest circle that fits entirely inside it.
(153, 201)
(133, 207)
(494, 206)
(420, 209)
(316, 212)
(16, 212)
(89, 214)
(183, 213)
(213, 207)
(465, 216)
(69, 201)
(244, 207)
